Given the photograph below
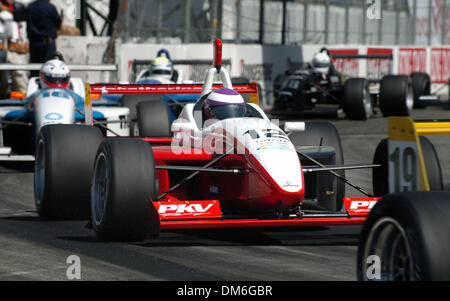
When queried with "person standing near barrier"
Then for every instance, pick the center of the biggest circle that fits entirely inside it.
(14, 49)
(43, 21)
(17, 48)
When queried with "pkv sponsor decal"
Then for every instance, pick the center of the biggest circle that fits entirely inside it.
(188, 209)
(360, 206)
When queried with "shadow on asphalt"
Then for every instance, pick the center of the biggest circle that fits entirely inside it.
(14, 167)
(24, 218)
(35, 218)
(237, 237)
(292, 236)
(252, 237)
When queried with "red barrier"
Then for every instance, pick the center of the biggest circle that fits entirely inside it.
(440, 65)
(377, 68)
(348, 67)
(412, 60)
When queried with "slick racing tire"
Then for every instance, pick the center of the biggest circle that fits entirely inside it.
(278, 82)
(396, 95)
(405, 237)
(122, 190)
(131, 102)
(65, 155)
(153, 119)
(380, 175)
(421, 85)
(326, 133)
(357, 103)
(279, 106)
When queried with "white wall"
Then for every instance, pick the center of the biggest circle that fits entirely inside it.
(260, 62)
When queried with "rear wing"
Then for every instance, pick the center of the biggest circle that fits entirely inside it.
(248, 91)
(406, 164)
(37, 67)
(114, 89)
(377, 57)
(363, 56)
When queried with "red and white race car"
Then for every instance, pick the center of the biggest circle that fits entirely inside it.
(235, 172)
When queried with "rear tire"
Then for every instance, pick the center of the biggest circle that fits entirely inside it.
(122, 191)
(409, 234)
(131, 102)
(380, 175)
(421, 85)
(278, 82)
(314, 132)
(279, 106)
(357, 103)
(65, 156)
(396, 95)
(153, 119)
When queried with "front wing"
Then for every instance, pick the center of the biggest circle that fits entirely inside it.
(176, 213)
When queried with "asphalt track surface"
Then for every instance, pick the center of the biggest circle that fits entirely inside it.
(32, 249)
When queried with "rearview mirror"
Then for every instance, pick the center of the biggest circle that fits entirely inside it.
(294, 127)
(182, 126)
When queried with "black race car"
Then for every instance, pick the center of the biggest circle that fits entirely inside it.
(303, 89)
(395, 95)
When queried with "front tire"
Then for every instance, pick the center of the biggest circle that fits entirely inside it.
(409, 234)
(65, 156)
(380, 175)
(122, 191)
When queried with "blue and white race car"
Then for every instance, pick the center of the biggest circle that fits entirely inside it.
(54, 97)
(162, 71)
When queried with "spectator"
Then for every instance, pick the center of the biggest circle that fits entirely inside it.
(112, 16)
(43, 21)
(17, 49)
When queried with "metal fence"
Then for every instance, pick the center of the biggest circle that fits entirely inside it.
(381, 22)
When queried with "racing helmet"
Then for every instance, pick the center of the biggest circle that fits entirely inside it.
(224, 103)
(55, 74)
(321, 62)
(162, 66)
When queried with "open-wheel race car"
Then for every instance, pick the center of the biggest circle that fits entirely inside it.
(319, 83)
(53, 98)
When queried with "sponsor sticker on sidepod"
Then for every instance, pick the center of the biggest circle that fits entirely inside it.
(173, 210)
(359, 206)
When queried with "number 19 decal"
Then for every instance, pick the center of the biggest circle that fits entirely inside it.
(403, 166)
